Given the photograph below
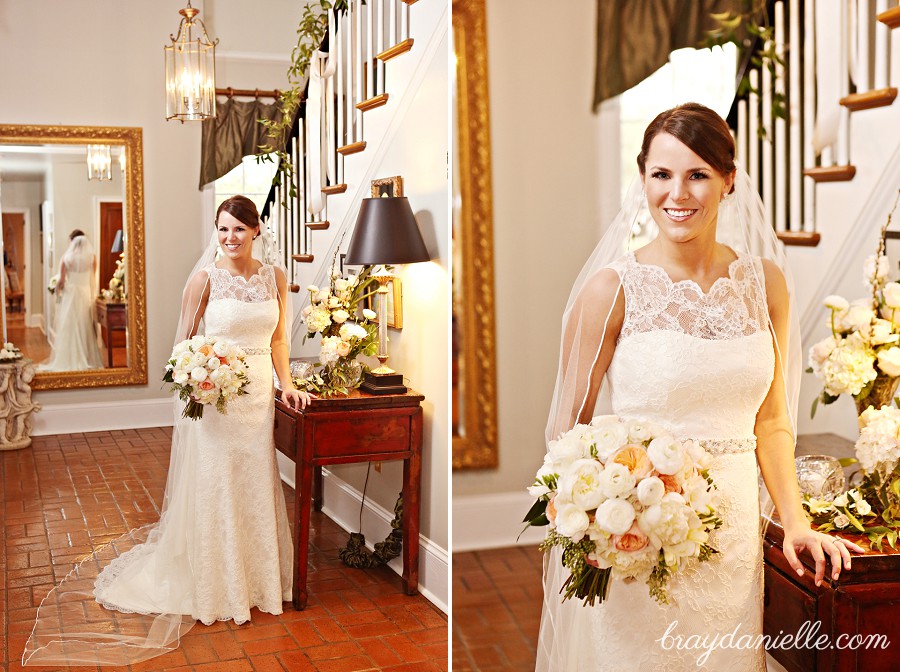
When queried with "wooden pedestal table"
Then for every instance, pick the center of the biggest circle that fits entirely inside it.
(113, 321)
(343, 430)
(864, 601)
(16, 405)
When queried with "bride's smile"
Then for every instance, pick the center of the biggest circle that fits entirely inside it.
(235, 237)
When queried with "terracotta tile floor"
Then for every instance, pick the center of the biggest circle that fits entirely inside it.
(497, 598)
(69, 493)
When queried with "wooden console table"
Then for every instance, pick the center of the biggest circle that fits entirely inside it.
(341, 430)
(863, 601)
(113, 323)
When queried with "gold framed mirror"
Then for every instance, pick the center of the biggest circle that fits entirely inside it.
(69, 201)
(474, 384)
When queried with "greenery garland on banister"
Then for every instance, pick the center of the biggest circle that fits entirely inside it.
(310, 33)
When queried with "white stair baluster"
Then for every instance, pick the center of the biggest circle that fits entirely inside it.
(780, 145)
(809, 115)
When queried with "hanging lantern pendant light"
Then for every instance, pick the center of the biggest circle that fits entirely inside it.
(99, 162)
(190, 70)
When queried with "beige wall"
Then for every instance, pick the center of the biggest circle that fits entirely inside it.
(100, 63)
(547, 193)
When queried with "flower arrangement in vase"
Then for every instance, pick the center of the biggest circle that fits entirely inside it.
(116, 291)
(334, 313)
(862, 358)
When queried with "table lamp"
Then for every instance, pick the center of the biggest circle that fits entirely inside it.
(386, 233)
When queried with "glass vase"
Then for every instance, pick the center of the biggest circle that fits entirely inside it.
(882, 393)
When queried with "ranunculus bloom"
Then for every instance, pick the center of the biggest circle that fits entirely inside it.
(651, 490)
(892, 294)
(889, 361)
(633, 540)
(666, 454)
(635, 458)
(615, 516)
(836, 302)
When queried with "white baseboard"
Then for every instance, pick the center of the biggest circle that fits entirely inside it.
(96, 417)
(341, 503)
(493, 521)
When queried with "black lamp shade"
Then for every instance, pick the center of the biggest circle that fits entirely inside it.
(386, 233)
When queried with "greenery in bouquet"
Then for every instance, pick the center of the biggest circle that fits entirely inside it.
(116, 290)
(9, 353)
(862, 358)
(624, 500)
(347, 331)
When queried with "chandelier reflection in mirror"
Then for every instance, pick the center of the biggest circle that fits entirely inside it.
(190, 70)
(99, 162)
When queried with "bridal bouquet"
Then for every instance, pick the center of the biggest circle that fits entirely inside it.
(333, 313)
(204, 371)
(623, 499)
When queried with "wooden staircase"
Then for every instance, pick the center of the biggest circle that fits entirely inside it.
(359, 43)
(784, 164)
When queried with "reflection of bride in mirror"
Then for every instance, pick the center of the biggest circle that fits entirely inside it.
(75, 346)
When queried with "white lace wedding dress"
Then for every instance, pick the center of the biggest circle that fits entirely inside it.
(226, 547)
(75, 345)
(699, 364)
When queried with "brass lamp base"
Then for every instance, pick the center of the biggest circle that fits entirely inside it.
(383, 383)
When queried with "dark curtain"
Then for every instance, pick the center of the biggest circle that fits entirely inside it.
(635, 37)
(233, 134)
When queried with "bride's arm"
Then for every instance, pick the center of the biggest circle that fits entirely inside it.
(281, 350)
(775, 450)
(589, 342)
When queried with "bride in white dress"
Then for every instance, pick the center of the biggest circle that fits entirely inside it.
(75, 345)
(695, 332)
(223, 543)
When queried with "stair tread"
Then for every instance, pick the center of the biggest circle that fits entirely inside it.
(870, 99)
(803, 238)
(891, 18)
(396, 50)
(372, 103)
(303, 258)
(352, 148)
(334, 189)
(831, 173)
(318, 226)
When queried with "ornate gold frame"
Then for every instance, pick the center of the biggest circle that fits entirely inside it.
(131, 139)
(478, 447)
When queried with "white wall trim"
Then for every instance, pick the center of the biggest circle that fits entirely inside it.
(493, 521)
(341, 503)
(253, 57)
(104, 416)
(874, 210)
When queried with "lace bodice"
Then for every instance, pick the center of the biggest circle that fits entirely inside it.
(240, 309)
(699, 363)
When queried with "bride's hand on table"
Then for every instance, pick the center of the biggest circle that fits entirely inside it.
(296, 399)
(819, 545)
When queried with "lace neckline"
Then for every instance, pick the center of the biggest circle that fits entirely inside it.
(664, 275)
(257, 274)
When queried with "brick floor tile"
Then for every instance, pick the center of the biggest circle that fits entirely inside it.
(249, 632)
(295, 661)
(304, 633)
(354, 664)
(339, 650)
(266, 664)
(261, 646)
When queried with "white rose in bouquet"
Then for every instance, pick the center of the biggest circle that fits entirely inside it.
(571, 521)
(616, 480)
(638, 431)
(889, 361)
(836, 302)
(669, 522)
(608, 436)
(581, 484)
(883, 332)
(340, 316)
(876, 269)
(666, 454)
(564, 451)
(891, 293)
(369, 314)
(858, 317)
(352, 330)
(615, 516)
(198, 341)
(341, 285)
(650, 491)
(199, 374)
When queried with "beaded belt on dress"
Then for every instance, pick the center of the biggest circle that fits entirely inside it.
(258, 351)
(723, 446)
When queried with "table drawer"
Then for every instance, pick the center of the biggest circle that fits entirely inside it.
(787, 608)
(349, 434)
(286, 433)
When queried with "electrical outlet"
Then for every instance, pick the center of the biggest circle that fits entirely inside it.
(378, 467)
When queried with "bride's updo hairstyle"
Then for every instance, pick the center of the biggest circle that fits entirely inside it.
(700, 129)
(242, 209)
(75, 233)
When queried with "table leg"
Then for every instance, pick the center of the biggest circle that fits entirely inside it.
(302, 504)
(412, 472)
(317, 489)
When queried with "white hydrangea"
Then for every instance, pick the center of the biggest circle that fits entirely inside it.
(849, 367)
